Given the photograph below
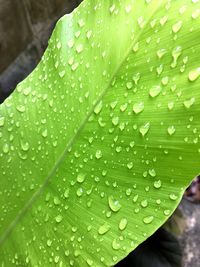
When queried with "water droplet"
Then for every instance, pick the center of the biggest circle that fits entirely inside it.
(98, 154)
(157, 184)
(21, 108)
(144, 203)
(114, 204)
(155, 91)
(171, 130)
(194, 74)
(189, 103)
(112, 8)
(79, 48)
(115, 244)
(62, 73)
(136, 78)
(123, 223)
(59, 218)
(173, 196)
(98, 107)
(129, 85)
(138, 107)
(128, 9)
(144, 129)
(6, 148)
(24, 145)
(167, 212)
(161, 52)
(148, 219)
(45, 133)
(177, 26)
(130, 165)
(104, 229)
(176, 52)
(79, 192)
(115, 121)
(170, 105)
(80, 178)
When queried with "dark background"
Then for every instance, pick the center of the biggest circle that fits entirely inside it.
(25, 27)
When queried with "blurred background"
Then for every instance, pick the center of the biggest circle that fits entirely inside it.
(25, 27)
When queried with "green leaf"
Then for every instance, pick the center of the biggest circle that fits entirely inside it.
(162, 249)
(98, 144)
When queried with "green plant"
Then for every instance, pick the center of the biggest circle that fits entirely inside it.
(99, 143)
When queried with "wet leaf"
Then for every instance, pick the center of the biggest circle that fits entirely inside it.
(98, 144)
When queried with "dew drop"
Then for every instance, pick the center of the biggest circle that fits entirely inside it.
(114, 204)
(171, 130)
(62, 73)
(148, 219)
(129, 85)
(144, 203)
(138, 107)
(177, 26)
(6, 148)
(157, 184)
(173, 196)
(123, 223)
(144, 129)
(59, 218)
(104, 229)
(189, 103)
(98, 107)
(194, 74)
(115, 244)
(98, 154)
(80, 178)
(155, 91)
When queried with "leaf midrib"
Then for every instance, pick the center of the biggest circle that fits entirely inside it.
(36, 195)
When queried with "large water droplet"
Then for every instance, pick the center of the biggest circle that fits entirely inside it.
(138, 107)
(171, 130)
(144, 129)
(123, 223)
(80, 178)
(155, 91)
(157, 184)
(194, 74)
(177, 26)
(104, 229)
(148, 219)
(114, 204)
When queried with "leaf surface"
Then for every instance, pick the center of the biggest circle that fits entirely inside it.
(98, 144)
